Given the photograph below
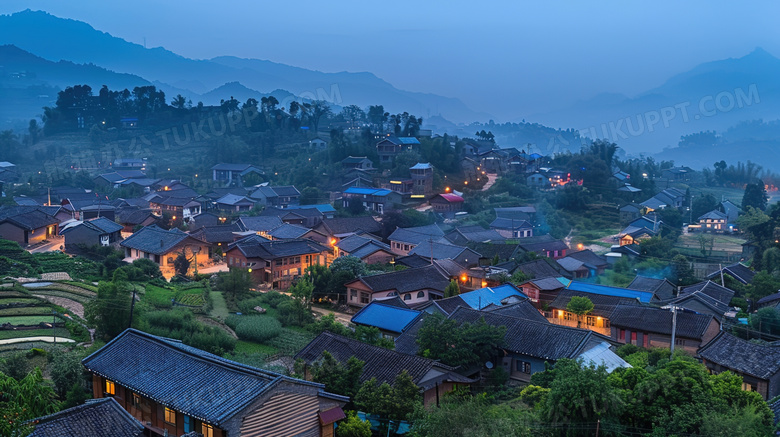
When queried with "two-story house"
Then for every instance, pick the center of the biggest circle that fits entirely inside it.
(389, 147)
(415, 286)
(378, 200)
(277, 263)
(403, 240)
(280, 197)
(232, 174)
(163, 247)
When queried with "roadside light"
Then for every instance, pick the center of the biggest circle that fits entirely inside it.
(580, 246)
(465, 182)
(484, 284)
(173, 218)
(463, 277)
(249, 270)
(332, 241)
(447, 190)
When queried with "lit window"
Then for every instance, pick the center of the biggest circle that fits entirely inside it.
(170, 416)
(110, 388)
(136, 400)
(207, 430)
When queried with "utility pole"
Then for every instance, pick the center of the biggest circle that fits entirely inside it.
(674, 328)
(722, 284)
(132, 305)
(54, 325)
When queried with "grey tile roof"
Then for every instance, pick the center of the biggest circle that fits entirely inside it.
(442, 251)
(287, 231)
(508, 223)
(761, 361)
(603, 305)
(646, 319)
(216, 234)
(189, 380)
(770, 298)
(520, 310)
(416, 235)
(474, 233)
(173, 201)
(571, 264)
(738, 271)
(413, 261)
(541, 340)
(711, 289)
(97, 417)
(662, 288)
(152, 239)
(254, 247)
(231, 167)
(713, 215)
(101, 225)
(380, 363)
(234, 199)
(539, 268)
(27, 217)
(407, 280)
(548, 284)
(694, 301)
(541, 243)
(133, 215)
(351, 225)
(588, 257)
(259, 223)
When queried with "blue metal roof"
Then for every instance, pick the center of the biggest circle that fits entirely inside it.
(643, 296)
(368, 191)
(385, 317)
(483, 297)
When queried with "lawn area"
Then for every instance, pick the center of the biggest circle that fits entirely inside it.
(248, 347)
(26, 320)
(721, 243)
(220, 309)
(25, 311)
(158, 297)
(61, 332)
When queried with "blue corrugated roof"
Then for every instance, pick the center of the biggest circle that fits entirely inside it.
(483, 297)
(604, 290)
(368, 191)
(385, 317)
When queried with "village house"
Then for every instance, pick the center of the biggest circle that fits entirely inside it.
(705, 297)
(415, 286)
(677, 174)
(447, 204)
(163, 247)
(27, 225)
(403, 240)
(233, 174)
(357, 162)
(234, 203)
(463, 235)
(438, 251)
(630, 212)
(598, 320)
(652, 327)
(389, 147)
(276, 264)
(337, 228)
(179, 209)
(173, 389)
(422, 178)
(129, 164)
(286, 231)
(8, 172)
(432, 377)
(662, 289)
(583, 264)
(134, 217)
(713, 221)
(308, 217)
(378, 200)
(368, 250)
(737, 271)
(511, 228)
(502, 295)
(771, 301)
(96, 232)
(218, 236)
(757, 364)
(281, 197)
(544, 245)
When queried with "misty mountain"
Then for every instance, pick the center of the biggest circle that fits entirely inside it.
(31, 82)
(711, 96)
(78, 42)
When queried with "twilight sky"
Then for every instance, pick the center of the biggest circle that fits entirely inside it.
(505, 57)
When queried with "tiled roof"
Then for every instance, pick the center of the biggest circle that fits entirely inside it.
(416, 235)
(550, 284)
(27, 217)
(347, 225)
(713, 215)
(233, 199)
(380, 363)
(379, 192)
(354, 159)
(253, 247)
(514, 224)
(641, 318)
(738, 271)
(287, 231)
(541, 340)
(442, 251)
(653, 203)
(588, 257)
(355, 242)
(761, 361)
(770, 298)
(153, 239)
(571, 264)
(662, 288)
(216, 234)
(101, 225)
(542, 243)
(602, 305)
(451, 198)
(231, 167)
(407, 280)
(476, 234)
(406, 343)
(97, 417)
(324, 208)
(133, 215)
(421, 166)
(539, 268)
(503, 249)
(584, 287)
(711, 289)
(385, 317)
(515, 213)
(173, 201)
(520, 310)
(259, 223)
(413, 261)
(180, 192)
(690, 300)
(189, 380)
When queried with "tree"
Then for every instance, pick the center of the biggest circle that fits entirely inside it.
(751, 217)
(580, 306)
(766, 320)
(702, 205)
(343, 379)
(706, 244)
(681, 270)
(466, 416)
(353, 426)
(23, 400)
(763, 285)
(236, 282)
(452, 289)
(755, 196)
(110, 310)
(465, 345)
(301, 290)
(179, 102)
(519, 277)
(66, 371)
(317, 110)
(394, 403)
(182, 264)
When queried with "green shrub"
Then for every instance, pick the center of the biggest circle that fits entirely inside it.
(255, 328)
(182, 325)
(274, 298)
(248, 306)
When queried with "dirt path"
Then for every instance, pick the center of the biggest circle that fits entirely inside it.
(70, 305)
(342, 318)
(44, 339)
(491, 179)
(216, 324)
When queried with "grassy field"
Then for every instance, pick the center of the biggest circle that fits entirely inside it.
(220, 310)
(248, 347)
(61, 332)
(26, 320)
(291, 341)
(721, 242)
(25, 311)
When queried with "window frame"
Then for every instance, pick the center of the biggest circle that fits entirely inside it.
(168, 414)
(109, 387)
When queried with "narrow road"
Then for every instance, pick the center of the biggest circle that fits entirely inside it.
(491, 179)
(342, 318)
(44, 339)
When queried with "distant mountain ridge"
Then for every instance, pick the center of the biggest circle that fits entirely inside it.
(55, 38)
